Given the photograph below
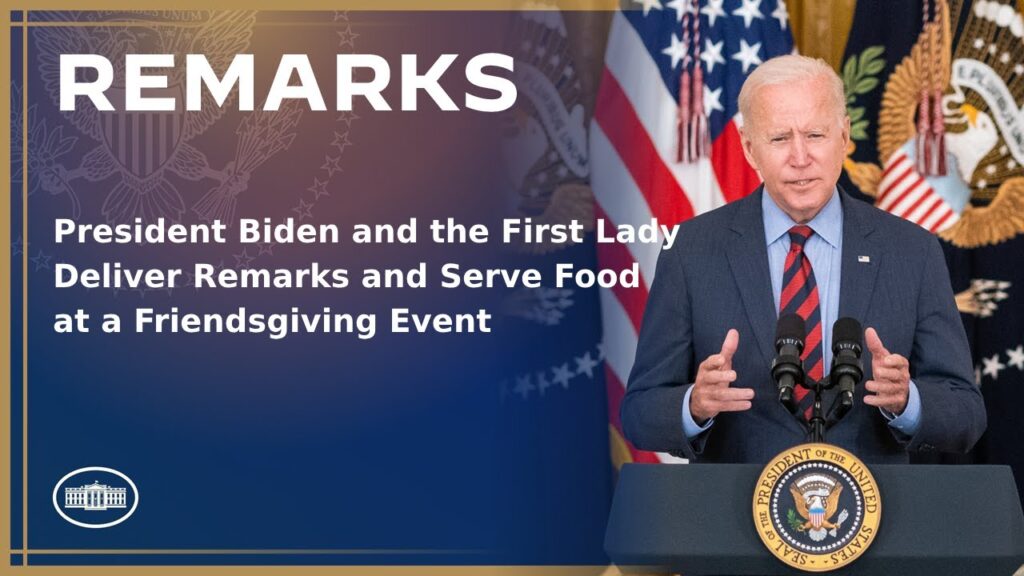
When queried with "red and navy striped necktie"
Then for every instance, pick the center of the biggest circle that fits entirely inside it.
(800, 296)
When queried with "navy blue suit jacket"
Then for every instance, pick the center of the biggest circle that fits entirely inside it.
(715, 277)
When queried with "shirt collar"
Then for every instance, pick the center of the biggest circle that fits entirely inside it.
(827, 223)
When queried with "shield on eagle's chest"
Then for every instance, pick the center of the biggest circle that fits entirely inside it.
(143, 141)
(817, 516)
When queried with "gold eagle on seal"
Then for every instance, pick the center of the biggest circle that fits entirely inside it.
(816, 497)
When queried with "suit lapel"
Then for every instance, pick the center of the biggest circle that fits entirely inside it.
(748, 260)
(861, 259)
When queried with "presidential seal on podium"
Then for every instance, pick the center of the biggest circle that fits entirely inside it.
(816, 507)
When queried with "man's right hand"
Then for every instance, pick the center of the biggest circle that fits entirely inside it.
(711, 393)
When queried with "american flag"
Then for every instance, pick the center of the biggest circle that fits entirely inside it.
(634, 143)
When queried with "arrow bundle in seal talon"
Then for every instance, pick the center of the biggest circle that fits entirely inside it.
(261, 135)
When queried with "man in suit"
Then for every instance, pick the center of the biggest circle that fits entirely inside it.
(701, 386)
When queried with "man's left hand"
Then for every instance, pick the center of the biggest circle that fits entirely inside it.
(891, 372)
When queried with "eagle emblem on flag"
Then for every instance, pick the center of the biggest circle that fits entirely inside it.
(965, 184)
(544, 149)
(150, 155)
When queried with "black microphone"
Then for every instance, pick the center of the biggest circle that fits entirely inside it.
(847, 369)
(787, 369)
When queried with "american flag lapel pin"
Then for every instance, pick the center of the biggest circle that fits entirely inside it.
(864, 259)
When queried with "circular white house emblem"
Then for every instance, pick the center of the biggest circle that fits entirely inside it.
(95, 497)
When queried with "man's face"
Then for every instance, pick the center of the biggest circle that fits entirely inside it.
(796, 142)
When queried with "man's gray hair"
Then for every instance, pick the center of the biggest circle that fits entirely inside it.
(791, 69)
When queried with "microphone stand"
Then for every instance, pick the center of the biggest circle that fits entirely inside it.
(816, 424)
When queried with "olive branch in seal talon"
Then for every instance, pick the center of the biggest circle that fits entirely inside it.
(795, 523)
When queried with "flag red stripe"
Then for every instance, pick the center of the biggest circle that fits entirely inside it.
(926, 196)
(616, 256)
(934, 201)
(900, 161)
(735, 176)
(903, 175)
(617, 118)
(929, 204)
(893, 165)
(911, 189)
(938, 225)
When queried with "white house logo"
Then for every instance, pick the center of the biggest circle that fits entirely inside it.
(95, 497)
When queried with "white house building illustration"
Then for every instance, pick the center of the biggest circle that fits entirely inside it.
(95, 496)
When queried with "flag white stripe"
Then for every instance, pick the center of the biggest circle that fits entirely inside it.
(621, 199)
(925, 206)
(919, 190)
(899, 162)
(619, 336)
(938, 215)
(892, 195)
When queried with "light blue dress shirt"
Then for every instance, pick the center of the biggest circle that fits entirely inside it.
(824, 249)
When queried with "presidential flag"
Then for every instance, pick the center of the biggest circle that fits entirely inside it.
(968, 59)
(665, 142)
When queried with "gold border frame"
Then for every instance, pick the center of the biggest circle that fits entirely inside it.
(5, 326)
(5, 294)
